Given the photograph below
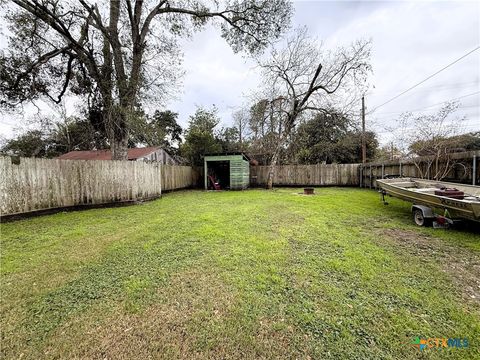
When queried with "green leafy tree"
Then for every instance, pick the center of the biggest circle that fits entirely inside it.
(468, 142)
(349, 149)
(456, 143)
(118, 54)
(32, 143)
(161, 129)
(229, 139)
(75, 134)
(330, 138)
(200, 137)
(56, 139)
(314, 140)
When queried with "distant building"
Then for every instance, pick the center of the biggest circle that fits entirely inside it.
(152, 153)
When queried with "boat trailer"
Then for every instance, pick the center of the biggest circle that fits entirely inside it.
(425, 215)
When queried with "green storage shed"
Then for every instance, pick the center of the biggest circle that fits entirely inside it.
(227, 171)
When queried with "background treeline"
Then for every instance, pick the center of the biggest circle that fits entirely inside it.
(319, 138)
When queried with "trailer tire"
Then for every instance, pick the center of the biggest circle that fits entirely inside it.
(420, 219)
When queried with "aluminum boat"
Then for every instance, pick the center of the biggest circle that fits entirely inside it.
(458, 201)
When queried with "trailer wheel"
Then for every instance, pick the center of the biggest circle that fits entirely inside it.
(420, 219)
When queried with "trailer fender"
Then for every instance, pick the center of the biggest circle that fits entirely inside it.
(426, 211)
(422, 215)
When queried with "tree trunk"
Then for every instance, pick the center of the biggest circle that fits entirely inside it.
(119, 142)
(281, 139)
(118, 132)
(436, 166)
(271, 168)
(119, 149)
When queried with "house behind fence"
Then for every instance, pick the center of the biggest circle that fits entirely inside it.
(152, 153)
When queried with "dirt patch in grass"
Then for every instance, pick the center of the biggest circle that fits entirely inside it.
(462, 265)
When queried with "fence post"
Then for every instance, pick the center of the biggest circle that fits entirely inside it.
(383, 170)
(370, 176)
(400, 169)
(360, 168)
(159, 166)
(205, 173)
(474, 170)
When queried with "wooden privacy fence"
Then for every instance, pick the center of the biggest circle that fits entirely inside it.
(179, 177)
(315, 175)
(38, 184)
(464, 168)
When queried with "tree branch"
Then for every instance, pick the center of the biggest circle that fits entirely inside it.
(67, 79)
(40, 61)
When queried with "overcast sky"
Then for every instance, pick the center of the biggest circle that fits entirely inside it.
(411, 40)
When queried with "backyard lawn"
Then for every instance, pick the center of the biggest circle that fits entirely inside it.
(240, 275)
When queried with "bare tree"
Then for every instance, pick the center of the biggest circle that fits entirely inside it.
(114, 52)
(265, 125)
(431, 140)
(304, 78)
(241, 121)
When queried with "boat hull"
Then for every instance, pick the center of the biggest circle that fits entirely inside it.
(405, 189)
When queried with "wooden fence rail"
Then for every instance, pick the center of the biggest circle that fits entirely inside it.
(314, 175)
(39, 184)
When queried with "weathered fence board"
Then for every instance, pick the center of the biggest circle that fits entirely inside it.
(178, 177)
(38, 184)
(304, 175)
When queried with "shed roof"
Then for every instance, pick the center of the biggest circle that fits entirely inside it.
(106, 154)
(229, 153)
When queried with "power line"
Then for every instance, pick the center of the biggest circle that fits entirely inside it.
(439, 87)
(461, 127)
(429, 106)
(427, 78)
(392, 116)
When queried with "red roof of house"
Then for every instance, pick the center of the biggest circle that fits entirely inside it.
(133, 154)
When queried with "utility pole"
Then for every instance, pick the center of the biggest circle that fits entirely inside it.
(240, 119)
(364, 141)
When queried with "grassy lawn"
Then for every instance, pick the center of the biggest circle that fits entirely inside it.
(241, 275)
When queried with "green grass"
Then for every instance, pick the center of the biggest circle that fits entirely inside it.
(252, 274)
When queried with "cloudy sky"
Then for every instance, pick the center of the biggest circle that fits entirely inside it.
(411, 40)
